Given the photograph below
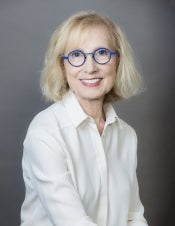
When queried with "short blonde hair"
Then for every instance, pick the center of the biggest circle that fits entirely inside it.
(53, 80)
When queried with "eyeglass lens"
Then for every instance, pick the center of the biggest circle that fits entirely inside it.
(78, 57)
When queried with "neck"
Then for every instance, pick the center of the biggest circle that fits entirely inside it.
(94, 108)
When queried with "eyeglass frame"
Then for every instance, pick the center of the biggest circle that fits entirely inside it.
(111, 52)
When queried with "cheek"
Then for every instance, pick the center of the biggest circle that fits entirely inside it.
(66, 68)
(70, 70)
(112, 79)
(113, 65)
(112, 72)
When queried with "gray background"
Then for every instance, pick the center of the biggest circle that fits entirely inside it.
(25, 29)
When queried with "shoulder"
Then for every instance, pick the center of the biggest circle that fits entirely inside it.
(45, 128)
(127, 130)
(125, 126)
(122, 127)
(49, 119)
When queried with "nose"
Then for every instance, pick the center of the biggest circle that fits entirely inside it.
(90, 65)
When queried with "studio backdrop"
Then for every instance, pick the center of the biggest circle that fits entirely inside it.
(25, 29)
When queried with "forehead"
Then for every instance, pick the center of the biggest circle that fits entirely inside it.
(79, 36)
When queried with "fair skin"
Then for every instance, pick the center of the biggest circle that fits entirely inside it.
(92, 81)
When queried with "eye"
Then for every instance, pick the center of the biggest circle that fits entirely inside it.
(75, 54)
(102, 52)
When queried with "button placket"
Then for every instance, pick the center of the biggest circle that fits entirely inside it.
(102, 166)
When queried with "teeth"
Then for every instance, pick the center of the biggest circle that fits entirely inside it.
(90, 81)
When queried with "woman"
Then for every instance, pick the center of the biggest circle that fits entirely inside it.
(79, 161)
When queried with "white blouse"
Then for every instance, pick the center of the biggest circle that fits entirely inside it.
(75, 177)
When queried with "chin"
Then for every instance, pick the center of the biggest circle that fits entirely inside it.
(93, 97)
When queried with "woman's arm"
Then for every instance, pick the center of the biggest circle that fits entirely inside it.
(136, 212)
(49, 175)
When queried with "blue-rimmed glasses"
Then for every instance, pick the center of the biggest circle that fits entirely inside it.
(77, 57)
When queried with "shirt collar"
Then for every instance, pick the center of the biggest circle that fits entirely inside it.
(74, 109)
(78, 115)
(111, 115)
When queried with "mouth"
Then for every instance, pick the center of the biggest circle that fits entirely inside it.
(91, 82)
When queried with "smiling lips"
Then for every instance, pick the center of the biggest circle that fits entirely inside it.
(91, 82)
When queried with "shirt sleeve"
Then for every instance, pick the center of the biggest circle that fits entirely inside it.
(136, 212)
(52, 181)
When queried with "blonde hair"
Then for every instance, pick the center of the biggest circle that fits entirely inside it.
(53, 80)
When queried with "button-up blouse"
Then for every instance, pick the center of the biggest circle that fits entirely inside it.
(76, 177)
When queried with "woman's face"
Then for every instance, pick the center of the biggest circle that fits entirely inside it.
(91, 81)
